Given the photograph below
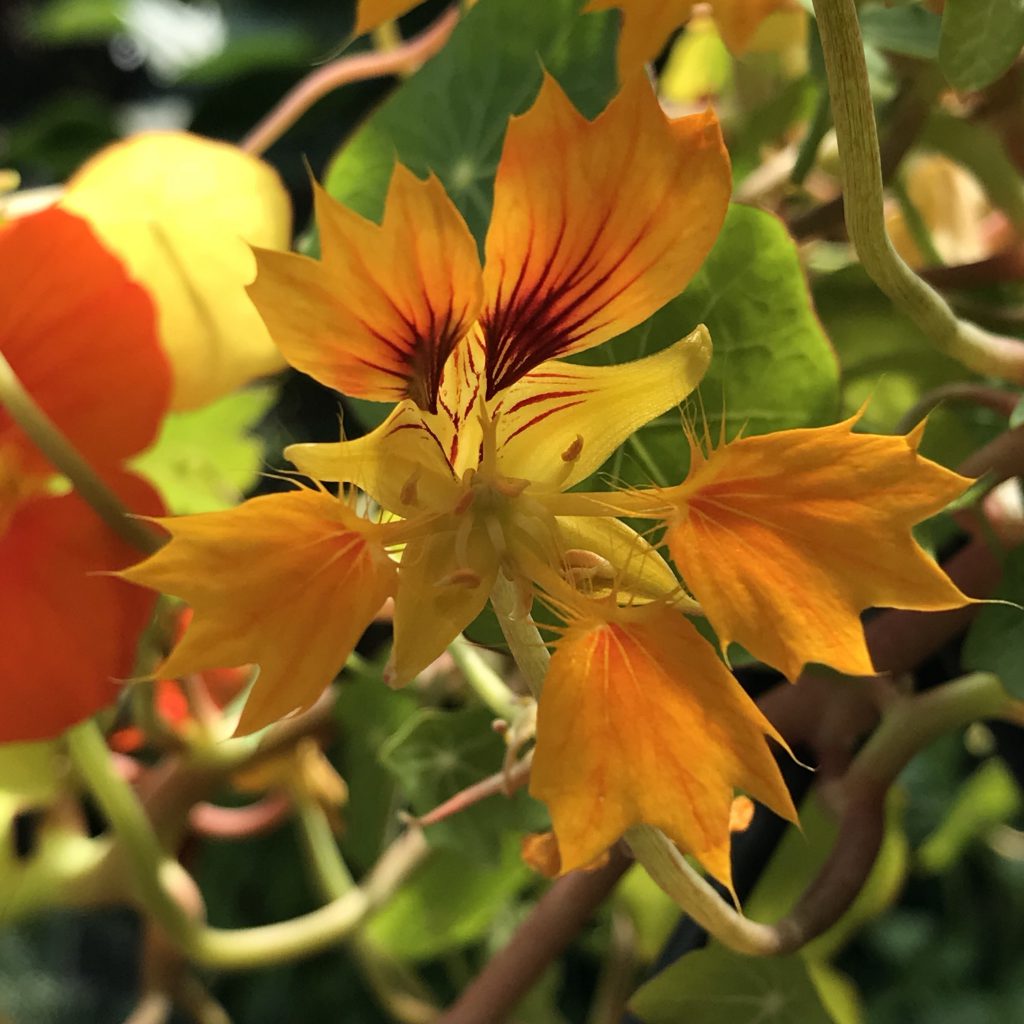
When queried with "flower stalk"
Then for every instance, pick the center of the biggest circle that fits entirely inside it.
(861, 176)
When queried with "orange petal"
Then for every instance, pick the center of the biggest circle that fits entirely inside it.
(646, 27)
(380, 313)
(647, 24)
(640, 722)
(81, 337)
(69, 635)
(738, 20)
(785, 538)
(596, 224)
(539, 851)
(285, 581)
(371, 13)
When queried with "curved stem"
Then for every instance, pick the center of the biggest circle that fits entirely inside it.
(483, 680)
(152, 867)
(51, 441)
(525, 643)
(861, 174)
(354, 68)
(996, 399)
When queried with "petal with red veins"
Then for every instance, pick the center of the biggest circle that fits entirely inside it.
(596, 224)
(379, 314)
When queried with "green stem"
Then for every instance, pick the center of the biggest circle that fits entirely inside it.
(861, 174)
(483, 680)
(333, 878)
(46, 436)
(149, 862)
(524, 641)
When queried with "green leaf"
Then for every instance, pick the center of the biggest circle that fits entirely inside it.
(772, 367)
(989, 797)
(207, 459)
(436, 754)
(451, 901)
(716, 986)
(980, 40)
(909, 31)
(995, 641)
(450, 116)
(368, 713)
(1017, 416)
(889, 364)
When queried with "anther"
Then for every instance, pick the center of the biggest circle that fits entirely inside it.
(510, 487)
(410, 490)
(465, 502)
(572, 453)
(461, 578)
(581, 565)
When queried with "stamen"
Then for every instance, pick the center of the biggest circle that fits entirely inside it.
(572, 453)
(582, 566)
(465, 502)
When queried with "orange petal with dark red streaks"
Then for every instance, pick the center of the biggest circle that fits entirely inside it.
(596, 224)
(640, 722)
(82, 339)
(378, 316)
(68, 634)
(285, 581)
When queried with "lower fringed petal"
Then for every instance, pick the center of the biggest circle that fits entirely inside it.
(785, 538)
(285, 581)
(69, 633)
(641, 723)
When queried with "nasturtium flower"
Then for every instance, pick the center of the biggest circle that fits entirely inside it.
(595, 225)
(81, 338)
(647, 24)
(182, 212)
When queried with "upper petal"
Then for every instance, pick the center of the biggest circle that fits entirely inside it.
(596, 224)
(381, 312)
(561, 409)
(285, 581)
(785, 538)
(640, 722)
(69, 634)
(81, 337)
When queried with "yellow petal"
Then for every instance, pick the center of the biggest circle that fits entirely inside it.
(287, 581)
(401, 464)
(639, 722)
(596, 224)
(443, 584)
(785, 538)
(378, 316)
(180, 210)
(371, 13)
(634, 567)
(561, 421)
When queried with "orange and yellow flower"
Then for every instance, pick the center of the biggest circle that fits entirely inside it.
(81, 338)
(596, 224)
